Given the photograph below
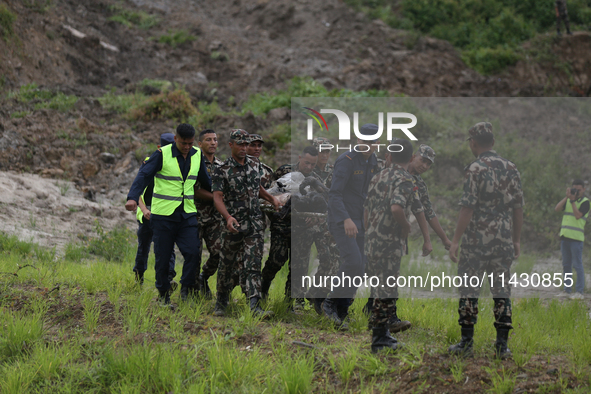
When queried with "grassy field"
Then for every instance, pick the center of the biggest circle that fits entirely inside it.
(85, 326)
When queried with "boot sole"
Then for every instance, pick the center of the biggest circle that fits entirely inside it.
(400, 327)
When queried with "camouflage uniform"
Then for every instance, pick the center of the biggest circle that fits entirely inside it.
(210, 226)
(383, 246)
(492, 188)
(280, 249)
(561, 15)
(240, 261)
(428, 153)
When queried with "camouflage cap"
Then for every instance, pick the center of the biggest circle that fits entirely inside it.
(480, 129)
(427, 152)
(256, 137)
(240, 136)
(316, 142)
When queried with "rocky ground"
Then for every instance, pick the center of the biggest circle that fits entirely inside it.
(241, 47)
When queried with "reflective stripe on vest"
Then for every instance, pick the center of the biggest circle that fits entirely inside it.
(170, 190)
(572, 227)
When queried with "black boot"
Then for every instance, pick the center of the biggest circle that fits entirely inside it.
(221, 304)
(164, 300)
(464, 348)
(256, 309)
(139, 277)
(381, 339)
(502, 351)
(329, 309)
(188, 292)
(204, 289)
(265, 285)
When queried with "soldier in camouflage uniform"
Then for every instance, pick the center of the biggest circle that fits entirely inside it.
(390, 198)
(561, 15)
(236, 190)
(420, 163)
(210, 220)
(326, 247)
(254, 150)
(281, 240)
(323, 169)
(491, 218)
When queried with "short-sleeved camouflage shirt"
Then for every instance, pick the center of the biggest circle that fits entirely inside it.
(267, 176)
(240, 185)
(206, 212)
(492, 188)
(392, 185)
(424, 197)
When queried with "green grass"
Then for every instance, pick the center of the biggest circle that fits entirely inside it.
(129, 18)
(101, 333)
(44, 98)
(7, 19)
(175, 38)
(488, 32)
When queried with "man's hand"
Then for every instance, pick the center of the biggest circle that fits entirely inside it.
(453, 252)
(232, 224)
(147, 214)
(350, 228)
(276, 204)
(446, 243)
(517, 249)
(131, 205)
(427, 248)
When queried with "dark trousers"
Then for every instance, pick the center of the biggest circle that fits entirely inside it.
(144, 240)
(185, 234)
(352, 256)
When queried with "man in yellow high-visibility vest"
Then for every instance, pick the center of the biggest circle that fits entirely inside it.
(175, 169)
(572, 235)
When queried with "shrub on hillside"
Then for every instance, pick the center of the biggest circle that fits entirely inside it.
(175, 104)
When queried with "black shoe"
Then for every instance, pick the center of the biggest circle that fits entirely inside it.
(187, 293)
(502, 351)
(464, 347)
(139, 278)
(265, 285)
(558, 33)
(382, 340)
(164, 300)
(343, 309)
(256, 309)
(397, 325)
(329, 309)
(204, 289)
(221, 304)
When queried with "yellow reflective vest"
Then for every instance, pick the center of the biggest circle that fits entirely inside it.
(572, 227)
(170, 190)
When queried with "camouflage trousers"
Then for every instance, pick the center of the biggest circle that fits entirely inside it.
(327, 253)
(211, 233)
(240, 263)
(471, 264)
(384, 303)
(279, 253)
